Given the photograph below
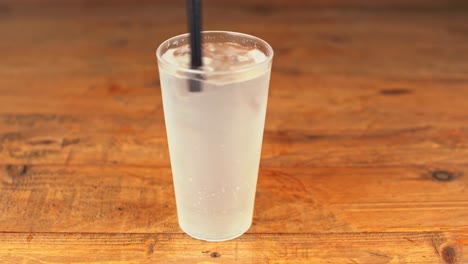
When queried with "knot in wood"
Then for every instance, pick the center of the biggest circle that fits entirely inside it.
(449, 254)
(442, 175)
(215, 255)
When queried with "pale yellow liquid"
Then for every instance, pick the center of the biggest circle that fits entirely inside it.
(215, 139)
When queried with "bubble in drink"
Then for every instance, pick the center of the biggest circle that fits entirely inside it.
(215, 136)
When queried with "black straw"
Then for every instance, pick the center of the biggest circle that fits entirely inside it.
(194, 19)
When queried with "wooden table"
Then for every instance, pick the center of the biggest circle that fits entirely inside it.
(365, 154)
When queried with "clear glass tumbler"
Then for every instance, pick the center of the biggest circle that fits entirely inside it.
(215, 137)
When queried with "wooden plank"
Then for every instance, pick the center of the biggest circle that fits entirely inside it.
(117, 199)
(57, 139)
(320, 42)
(429, 247)
(334, 39)
(259, 4)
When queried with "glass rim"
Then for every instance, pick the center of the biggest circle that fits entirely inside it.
(223, 72)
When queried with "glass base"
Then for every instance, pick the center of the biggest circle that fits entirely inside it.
(220, 239)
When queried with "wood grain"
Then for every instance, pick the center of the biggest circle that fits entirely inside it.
(124, 199)
(252, 248)
(365, 148)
